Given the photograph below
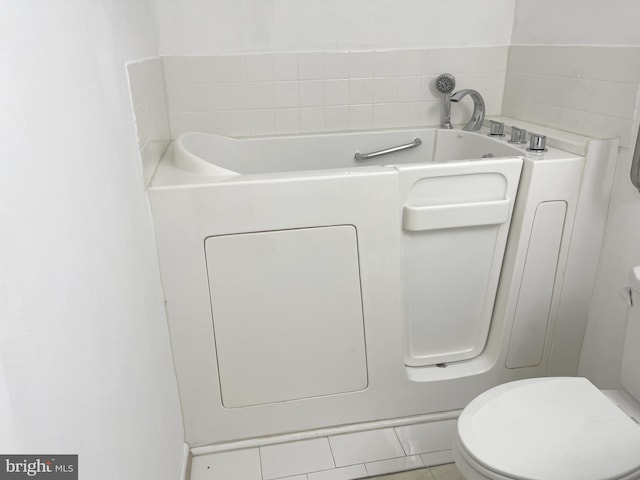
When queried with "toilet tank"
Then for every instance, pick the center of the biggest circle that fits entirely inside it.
(630, 376)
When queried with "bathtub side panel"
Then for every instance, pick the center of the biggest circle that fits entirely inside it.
(184, 217)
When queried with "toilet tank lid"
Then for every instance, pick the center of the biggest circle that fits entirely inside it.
(558, 427)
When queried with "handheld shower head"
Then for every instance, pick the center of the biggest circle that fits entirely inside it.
(445, 84)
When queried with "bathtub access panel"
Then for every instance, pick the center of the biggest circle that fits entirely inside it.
(287, 314)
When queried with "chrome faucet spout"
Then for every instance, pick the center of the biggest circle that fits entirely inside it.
(475, 123)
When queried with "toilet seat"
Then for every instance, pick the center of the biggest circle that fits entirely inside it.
(548, 428)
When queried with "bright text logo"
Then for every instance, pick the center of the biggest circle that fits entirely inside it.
(45, 467)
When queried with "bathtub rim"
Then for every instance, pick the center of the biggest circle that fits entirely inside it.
(187, 163)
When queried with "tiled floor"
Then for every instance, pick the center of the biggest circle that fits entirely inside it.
(367, 454)
(441, 472)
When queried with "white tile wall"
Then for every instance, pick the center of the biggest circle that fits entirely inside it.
(347, 89)
(589, 90)
(146, 83)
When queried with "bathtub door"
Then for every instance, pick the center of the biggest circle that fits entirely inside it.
(455, 222)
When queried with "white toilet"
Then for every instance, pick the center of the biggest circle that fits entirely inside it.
(557, 428)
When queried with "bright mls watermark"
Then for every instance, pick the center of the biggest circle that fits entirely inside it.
(49, 467)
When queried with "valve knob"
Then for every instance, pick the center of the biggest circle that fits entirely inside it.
(496, 129)
(537, 143)
(518, 136)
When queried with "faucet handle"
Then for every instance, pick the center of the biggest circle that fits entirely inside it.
(518, 135)
(496, 129)
(537, 143)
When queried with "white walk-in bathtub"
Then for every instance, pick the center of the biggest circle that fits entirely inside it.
(306, 288)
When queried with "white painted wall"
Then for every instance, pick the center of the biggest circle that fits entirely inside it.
(85, 364)
(593, 22)
(202, 27)
(603, 344)
(576, 22)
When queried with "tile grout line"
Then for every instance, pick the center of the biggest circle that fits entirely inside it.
(327, 470)
(333, 457)
(260, 458)
(395, 458)
(399, 441)
(433, 477)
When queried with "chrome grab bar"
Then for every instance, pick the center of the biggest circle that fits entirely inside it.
(366, 156)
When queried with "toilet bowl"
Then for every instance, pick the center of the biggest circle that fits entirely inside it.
(544, 429)
(555, 428)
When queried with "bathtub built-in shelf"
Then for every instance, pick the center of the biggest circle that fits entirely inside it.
(434, 217)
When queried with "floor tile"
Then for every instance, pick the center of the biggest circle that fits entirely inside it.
(420, 474)
(362, 447)
(437, 458)
(427, 437)
(237, 464)
(295, 477)
(295, 458)
(446, 472)
(394, 465)
(344, 473)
